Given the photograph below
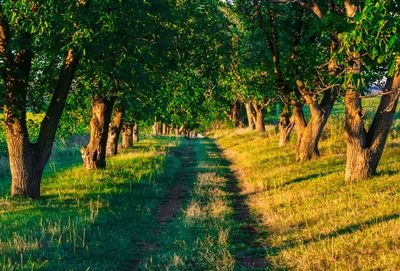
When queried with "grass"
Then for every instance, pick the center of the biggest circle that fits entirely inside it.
(294, 216)
(198, 238)
(86, 220)
(311, 218)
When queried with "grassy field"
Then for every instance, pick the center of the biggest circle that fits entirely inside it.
(85, 220)
(309, 217)
(234, 201)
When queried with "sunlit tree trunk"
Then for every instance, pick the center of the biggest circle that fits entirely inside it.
(250, 116)
(114, 132)
(260, 127)
(94, 154)
(309, 134)
(127, 141)
(135, 133)
(28, 160)
(286, 125)
(364, 149)
(156, 128)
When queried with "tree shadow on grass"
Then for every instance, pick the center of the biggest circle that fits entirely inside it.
(388, 172)
(340, 232)
(304, 178)
(94, 230)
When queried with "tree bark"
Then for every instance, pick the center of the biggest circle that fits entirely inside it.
(127, 136)
(164, 129)
(156, 128)
(114, 132)
(94, 154)
(364, 149)
(260, 127)
(250, 116)
(135, 133)
(236, 115)
(28, 160)
(286, 125)
(309, 134)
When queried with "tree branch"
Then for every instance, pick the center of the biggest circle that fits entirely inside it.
(50, 122)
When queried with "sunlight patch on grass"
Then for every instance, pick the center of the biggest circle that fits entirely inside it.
(314, 220)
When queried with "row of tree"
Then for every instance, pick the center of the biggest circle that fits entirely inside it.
(300, 53)
(187, 64)
(127, 60)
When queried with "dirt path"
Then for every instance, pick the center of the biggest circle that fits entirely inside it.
(185, 172)
(249, 254)
(182, 172)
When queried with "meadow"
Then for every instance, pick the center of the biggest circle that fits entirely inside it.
(232, 201)
(71, 226)
(310, 219)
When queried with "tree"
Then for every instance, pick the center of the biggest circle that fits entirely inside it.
(199, 55)
(33, 32)
(113, 65)
(370, 49)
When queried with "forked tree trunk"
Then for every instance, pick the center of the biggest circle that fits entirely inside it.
(364, 149)
(260, 127)
(309, 134)
(286, 125)
(250, 116)
(114, 132)
(135, 133)
(127, 136)
(27, 160)
(94, 154)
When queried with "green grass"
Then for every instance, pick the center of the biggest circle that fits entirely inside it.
(198, 238)
(304, 216)
(311, 218)
(86, 220)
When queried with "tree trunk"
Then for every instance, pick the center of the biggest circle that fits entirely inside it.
(114, 132)
(235, 114)
(260, 127)
(135, 133)
(127, 136)
(308, 138)
(286, 125)
(156, 128)
(26, 163)
(364, 149)
(164, 129)
(250, 116)
(308, 134)
(94, 154)
(27, 160)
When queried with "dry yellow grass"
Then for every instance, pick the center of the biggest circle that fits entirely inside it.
(314, 220)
